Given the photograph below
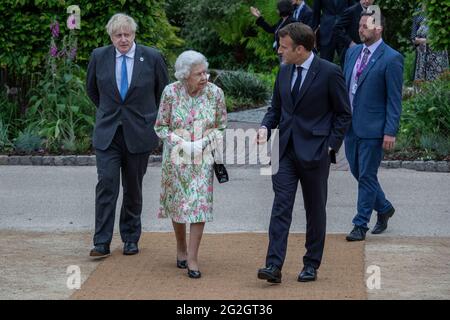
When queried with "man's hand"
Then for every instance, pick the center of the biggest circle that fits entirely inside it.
(255, 12)
(352, 44)
(261, 137)
(388, 142)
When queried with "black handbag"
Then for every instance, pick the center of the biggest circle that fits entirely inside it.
(221, 172)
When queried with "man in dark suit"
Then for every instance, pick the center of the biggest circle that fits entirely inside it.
(374, 78)
(311, 108)
(346, 29)
(302, 12)
(125, 82)
(285, 9)
(326, 13)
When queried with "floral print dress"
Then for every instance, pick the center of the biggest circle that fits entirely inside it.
(430, 64)
(187, 187)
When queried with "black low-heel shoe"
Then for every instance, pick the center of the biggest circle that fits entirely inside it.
(195, 274)
(182, 264)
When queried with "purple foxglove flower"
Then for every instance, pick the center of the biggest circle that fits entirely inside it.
(71, 22)
(73, 53)
(54, 51)
(54, 27)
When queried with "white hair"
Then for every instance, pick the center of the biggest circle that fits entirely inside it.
(186, 61)
(120, 21)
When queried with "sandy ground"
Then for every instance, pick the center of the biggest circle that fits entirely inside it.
(34, 265)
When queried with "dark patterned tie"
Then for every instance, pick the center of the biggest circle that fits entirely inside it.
(363, 63)
(296, 87)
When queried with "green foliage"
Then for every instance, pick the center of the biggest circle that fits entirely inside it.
(28, 141)
(243, 85)
(225, 31)
(59, 107)
(9, 121)
(25, 25)
(4, 137)
(399, 16)
(409, 67)
(433, 143)
(438, 15)
(262, 43)
(425, 119)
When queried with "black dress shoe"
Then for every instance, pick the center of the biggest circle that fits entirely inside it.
(270, 273)
(195, 274)
(308, 273)
(357, 234)
(182, 264)
(130, 248)
(100, 251)
(382, 221)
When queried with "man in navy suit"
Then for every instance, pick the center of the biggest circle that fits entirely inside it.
(310, 106)
(326, 13)
(302, 12)
(374, 77)
(346, 29)
(125, 81)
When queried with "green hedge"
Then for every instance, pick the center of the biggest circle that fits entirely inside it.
(25, 28)
(438, 13)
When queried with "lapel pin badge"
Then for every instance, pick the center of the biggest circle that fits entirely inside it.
(141, 59)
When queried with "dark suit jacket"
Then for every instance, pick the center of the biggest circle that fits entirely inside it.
(326, 13)
(377, 104)
(138, 112)
(346, 28)
(275, 28)
(320, 116)
(305, 16)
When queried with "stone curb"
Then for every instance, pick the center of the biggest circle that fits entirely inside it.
(56, 160)
(429, 166)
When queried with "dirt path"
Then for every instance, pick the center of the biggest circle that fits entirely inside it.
(34, 265)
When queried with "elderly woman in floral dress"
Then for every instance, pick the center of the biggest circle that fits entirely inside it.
(191, 120)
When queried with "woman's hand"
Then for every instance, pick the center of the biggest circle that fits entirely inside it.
(420, 41)
(255, 12)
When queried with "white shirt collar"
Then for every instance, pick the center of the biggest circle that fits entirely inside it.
(129, 54)
(373, 46)
(307, 64)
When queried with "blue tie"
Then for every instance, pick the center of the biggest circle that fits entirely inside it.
(124, 79)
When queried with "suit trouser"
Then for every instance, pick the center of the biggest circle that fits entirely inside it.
(110, 163)
(364, 157)
(327, 51)
(314, 188)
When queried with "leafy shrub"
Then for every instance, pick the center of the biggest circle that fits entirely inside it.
(425, 119)
(435, 143)
(28, 141)
(243, 85)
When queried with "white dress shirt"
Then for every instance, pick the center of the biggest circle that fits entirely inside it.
(372, 49)
(305, 65)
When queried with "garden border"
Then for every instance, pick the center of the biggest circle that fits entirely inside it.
(73, 160)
